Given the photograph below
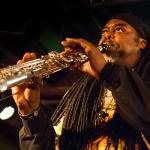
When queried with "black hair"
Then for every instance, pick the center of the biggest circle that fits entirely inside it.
(137, 23)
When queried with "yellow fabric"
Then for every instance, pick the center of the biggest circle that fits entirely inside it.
(101, 143)
(109, 106)
(58, 128)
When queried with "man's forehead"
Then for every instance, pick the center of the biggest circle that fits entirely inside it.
(132, 22)
(115, 22)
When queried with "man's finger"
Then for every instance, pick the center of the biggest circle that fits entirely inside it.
(20, 61)
(32, 56)
(26, 57)
(69, 44)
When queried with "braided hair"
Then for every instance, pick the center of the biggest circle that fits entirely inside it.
(79, 106)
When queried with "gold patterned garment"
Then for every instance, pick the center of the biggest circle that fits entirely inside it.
(109, 106)
(103, 143)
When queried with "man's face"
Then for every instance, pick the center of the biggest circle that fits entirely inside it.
(122, 41)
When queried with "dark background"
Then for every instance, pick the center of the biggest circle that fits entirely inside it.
(39, 26)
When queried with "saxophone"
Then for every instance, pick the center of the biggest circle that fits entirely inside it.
(52, 62)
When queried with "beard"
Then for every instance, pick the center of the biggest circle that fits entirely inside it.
(113, 50)
(110, 49)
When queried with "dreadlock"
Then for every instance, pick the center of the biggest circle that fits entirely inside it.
(79, 105)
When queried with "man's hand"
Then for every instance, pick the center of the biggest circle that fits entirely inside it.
(27, 97)
(96, 60)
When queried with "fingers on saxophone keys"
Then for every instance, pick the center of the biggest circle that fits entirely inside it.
(32, 55)
(26, 57)
(66, 52)
(20, 61)
(29, 56)
(67, 49)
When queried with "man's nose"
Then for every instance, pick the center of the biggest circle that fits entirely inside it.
(105, 38)
(109, 36)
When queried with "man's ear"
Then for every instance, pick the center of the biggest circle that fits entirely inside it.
(143, 43)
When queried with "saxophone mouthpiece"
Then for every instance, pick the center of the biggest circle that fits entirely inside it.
(103, 48)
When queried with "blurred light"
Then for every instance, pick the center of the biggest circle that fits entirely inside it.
(6, 113)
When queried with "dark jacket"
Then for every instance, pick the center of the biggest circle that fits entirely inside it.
(132, 94)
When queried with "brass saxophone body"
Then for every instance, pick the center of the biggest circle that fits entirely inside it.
(16, 74)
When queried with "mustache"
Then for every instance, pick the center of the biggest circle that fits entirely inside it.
(107, 45)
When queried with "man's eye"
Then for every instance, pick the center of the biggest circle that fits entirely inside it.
(119, 30)
(104, 31)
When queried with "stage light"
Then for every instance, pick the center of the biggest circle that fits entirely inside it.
(6, 113)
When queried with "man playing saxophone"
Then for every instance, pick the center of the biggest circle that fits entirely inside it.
(108, 107)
